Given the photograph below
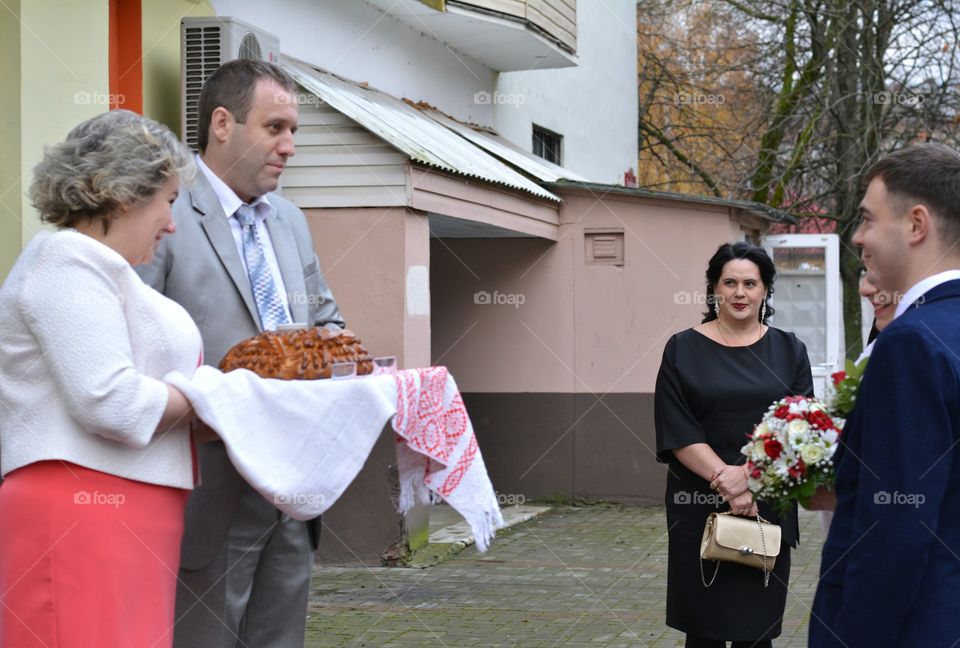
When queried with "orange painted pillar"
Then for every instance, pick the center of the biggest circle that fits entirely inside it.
(126, 55)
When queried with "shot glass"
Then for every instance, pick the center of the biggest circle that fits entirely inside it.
(291, 327)
(384, 365)
(343, 370)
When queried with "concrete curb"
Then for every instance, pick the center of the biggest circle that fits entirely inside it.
(449, 540)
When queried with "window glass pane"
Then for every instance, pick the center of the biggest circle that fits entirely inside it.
(805, 260)
(800, 297)
(547, 144)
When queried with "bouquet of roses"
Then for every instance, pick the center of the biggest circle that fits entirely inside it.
(790, 452)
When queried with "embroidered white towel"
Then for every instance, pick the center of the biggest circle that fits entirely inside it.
(301, 443)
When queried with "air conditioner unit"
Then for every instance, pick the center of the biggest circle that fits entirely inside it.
(205, 45)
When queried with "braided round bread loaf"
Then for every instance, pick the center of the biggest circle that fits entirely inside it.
(304, 354)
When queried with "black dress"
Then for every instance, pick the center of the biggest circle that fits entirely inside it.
(710, 393)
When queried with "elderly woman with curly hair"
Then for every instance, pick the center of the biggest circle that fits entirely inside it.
(95, 448)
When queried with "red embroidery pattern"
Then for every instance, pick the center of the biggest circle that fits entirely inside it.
(428, 425)
(432, 428)
(456, 475)
(435, 443)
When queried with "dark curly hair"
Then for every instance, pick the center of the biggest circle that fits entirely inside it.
(733, 251)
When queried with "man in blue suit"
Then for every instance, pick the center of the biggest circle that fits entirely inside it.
(890, 573)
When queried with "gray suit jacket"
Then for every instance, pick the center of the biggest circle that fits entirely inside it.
(200, 268)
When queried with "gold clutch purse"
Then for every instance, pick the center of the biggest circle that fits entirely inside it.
(746, 541)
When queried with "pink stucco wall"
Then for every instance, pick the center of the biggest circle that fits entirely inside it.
(366, 255)
(565, 326)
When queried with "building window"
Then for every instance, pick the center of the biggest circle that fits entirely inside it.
(547, 144)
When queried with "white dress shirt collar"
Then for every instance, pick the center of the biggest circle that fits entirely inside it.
(924, 286)
(229, 200)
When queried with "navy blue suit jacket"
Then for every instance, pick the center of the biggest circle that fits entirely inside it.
(890, 572)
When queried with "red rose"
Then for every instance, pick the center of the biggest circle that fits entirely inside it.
(781, 412)
(797, 469)
(838, 377)
(821, 420)
(773, 448)
(755, 472)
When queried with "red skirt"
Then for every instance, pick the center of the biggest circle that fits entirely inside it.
(87, 558)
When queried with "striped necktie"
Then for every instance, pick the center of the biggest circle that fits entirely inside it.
(265, 293)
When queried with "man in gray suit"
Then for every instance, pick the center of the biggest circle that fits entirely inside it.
(241, 261)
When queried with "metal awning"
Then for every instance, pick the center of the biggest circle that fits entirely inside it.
(424, 139)
(539, 168)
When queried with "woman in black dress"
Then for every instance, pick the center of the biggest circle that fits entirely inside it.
(716, 381)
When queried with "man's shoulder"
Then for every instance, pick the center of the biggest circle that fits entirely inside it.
(291, 217)
(184, 203)
(285, 207)
(938, 308)
(194, 200)
(927, 334)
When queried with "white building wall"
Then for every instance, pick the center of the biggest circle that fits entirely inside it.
(594, 106)
(358, 41)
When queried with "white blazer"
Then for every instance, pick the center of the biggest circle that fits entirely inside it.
(83, 347)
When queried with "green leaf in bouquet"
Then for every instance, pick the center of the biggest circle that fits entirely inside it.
(806, 489)
(849, 387)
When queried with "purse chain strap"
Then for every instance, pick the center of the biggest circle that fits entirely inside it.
(763, 543)
(716, 568)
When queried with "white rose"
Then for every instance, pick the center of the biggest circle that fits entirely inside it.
(811, 454)
(798, 428)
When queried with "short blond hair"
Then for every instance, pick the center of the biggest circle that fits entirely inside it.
(114, 159)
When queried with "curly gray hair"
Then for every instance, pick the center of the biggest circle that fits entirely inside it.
(117, 158)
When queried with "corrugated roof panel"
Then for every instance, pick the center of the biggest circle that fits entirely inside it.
(420, 137)
(536, 166)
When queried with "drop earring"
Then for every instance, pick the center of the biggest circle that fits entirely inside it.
(716, 307)
(763, 311)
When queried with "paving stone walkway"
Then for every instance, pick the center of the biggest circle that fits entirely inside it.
(584, 576)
